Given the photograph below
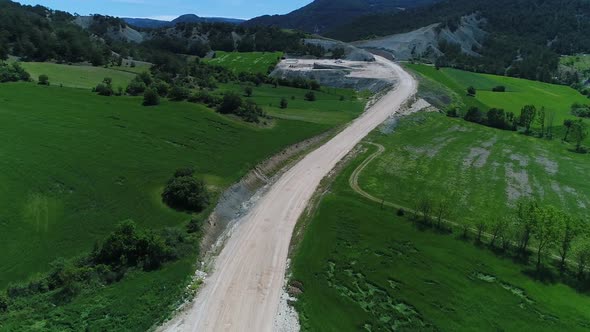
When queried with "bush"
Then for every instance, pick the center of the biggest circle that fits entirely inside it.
(231, 103)
(151, 98)
(13, 73)
(401, 212)
(43, 79)
(471, 91)
(186, 171)
(186, 193)
(178, 93)
(162, 88)
(136, 87)
(3, 303)
(310, 96)
(499, 88)
(105, 88)
(248, 91)
(284, 103)
(193, 226)
(474, 115)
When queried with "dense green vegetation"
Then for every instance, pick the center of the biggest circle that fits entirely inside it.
(252, 62)
(361, 265)
(525, 37)
(556, 100)
(70, 150)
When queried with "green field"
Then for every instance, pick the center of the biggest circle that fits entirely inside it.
(74, 76)
(483, 169)
(519, 92)
(250, 62)
(362, 268)
(75, 164)
(327, 109)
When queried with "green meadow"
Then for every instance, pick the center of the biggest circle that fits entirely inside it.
(77, 76)
(75, 164)
(484, 170)
(249, 62)
(332, 106)
(361, 267)
(519, 92)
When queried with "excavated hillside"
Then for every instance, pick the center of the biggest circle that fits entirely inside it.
(424, 42)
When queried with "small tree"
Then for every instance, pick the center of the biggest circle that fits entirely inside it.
(186, 193)
(474, 115)
(525, 223)
(150, 97)
(43, 79)
(569, 229)
(568, 123)
(248, 91)
(284, 103)
(579, 132)
(498, 228)
(178, 93)
(481, 225)
(231, 103)
(546, 230)
(581, 253)
(310, 96)
(541, 116)
(471, 91)
(527, 117)
(443, 210)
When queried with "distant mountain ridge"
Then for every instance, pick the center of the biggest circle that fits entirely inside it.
(147, 23)
(324, 15)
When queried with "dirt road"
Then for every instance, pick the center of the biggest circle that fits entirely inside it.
(243, 292)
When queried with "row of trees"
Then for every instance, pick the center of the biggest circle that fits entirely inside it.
(576, 131)
(550, 234)
(13, 73)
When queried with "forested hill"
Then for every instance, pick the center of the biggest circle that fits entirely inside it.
(41, 34)
(323, 15)
(525, 36)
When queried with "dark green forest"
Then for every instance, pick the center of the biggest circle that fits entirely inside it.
(525, 37)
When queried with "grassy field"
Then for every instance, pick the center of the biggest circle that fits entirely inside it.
(519, 92)
(85, 77)
(362, 268)
(75, 164)
(485, 170)
(250, 62)
(327, 109)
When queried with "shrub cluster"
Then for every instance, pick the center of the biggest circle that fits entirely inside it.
(127, 247)
(13, 73)
(184, 192)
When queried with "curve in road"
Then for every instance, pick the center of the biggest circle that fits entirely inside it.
(243, 292)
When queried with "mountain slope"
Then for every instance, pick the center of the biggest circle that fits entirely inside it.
(323, 15)
(148, 23)
(525, 37)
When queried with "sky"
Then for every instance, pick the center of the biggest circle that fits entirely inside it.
(170, 9)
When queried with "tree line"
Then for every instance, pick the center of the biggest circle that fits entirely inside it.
(575, 131)
(554, 238)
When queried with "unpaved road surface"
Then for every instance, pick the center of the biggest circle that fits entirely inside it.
(244, 289)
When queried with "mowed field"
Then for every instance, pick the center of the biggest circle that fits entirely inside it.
(75, 164)
(249, 62)
(519, 92)
(362, 268)
(85, 77)
(484, 170)
(328, 108)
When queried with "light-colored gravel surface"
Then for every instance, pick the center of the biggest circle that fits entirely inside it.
(244, 290)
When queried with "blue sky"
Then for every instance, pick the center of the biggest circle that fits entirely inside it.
(168, 9)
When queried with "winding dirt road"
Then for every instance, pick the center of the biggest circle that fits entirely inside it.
(243, 292)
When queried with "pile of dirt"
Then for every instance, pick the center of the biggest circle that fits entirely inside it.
(424, 42)
(357, 75)
(350, 52)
